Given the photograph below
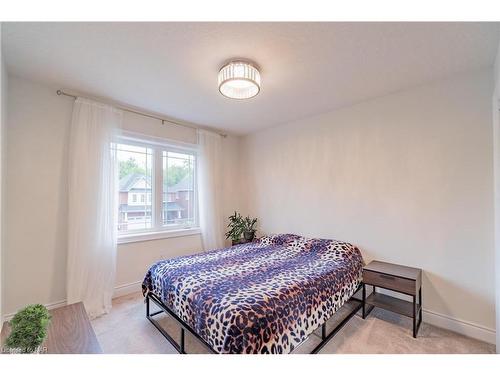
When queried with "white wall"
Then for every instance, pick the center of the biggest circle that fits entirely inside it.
(36, 196)
(496, 142)
(407, 177)
(3, 112)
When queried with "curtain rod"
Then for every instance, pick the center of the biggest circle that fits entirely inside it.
(163, 120)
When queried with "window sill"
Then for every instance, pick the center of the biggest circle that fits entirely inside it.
(150, 236)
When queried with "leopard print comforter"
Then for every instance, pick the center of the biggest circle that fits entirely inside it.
(267, 296)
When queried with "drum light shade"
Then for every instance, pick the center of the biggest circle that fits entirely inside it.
(239, 80)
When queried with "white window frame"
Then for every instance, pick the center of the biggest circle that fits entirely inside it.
(158, 230)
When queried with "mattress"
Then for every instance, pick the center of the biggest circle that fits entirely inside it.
(267, 296)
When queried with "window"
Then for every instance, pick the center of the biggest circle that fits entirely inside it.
(135, 164)
(157, 187)
(178, 187)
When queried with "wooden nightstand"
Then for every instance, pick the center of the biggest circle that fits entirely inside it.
(402, 279)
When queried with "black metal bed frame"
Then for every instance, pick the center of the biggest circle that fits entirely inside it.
(179, 347)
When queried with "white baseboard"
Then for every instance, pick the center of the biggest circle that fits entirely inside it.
(49, 306)
(463, 327)
(123, 290)
(473, 330)
(120, 290)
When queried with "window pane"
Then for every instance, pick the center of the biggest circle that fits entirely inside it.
(178, 189)
(135, 171)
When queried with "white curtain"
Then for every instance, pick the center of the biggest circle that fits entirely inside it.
(92, 206)
(209, 189)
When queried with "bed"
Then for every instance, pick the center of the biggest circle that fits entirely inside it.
(266, 296)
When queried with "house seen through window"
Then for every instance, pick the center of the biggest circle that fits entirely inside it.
(157, 188)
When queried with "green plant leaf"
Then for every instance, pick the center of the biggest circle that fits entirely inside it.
(238, 225)
(29, 328)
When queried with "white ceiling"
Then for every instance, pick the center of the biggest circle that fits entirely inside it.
(306, 68)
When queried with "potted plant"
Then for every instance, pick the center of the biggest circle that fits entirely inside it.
(29, 329)
(235, 228)
(248, 225)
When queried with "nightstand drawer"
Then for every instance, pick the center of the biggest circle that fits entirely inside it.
(398, 284)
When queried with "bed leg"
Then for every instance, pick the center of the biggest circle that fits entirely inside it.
(364, 303)
(323, 331)
(181, 346)
(147, 305)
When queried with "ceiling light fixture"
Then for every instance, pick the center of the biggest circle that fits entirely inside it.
(239, 80)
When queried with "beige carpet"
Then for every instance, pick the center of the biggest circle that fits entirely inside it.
(126, 330)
